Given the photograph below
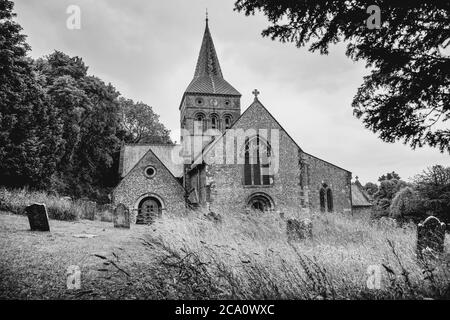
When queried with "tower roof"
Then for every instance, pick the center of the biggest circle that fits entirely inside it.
(208, 77)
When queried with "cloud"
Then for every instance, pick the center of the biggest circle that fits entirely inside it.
(148, 51)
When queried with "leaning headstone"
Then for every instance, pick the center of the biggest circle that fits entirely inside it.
(298, 230)
(121, 216)
(37, 217)
(430, 237)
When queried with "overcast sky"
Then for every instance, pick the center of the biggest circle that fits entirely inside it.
(148, 51)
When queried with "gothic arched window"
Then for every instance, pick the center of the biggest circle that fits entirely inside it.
(326, 198)
(329, 200)
(257, 162)
(322, 199)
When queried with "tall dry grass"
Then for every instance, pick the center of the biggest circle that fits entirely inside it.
(248, 256)
(58, 207)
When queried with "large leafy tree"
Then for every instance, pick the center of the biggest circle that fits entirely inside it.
(433, 184)
(142, 124)
(89, 111)
(406, 96)
(29, 125)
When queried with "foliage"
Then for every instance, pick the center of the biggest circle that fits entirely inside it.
(142, 123)
(433, 185)
(389, 176)
(406, 95)
(371, 188)
(60, 128)
(406, 205)
(29, 126)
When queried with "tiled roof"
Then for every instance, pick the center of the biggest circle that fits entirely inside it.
(208, 77)
(359, 197)
(211, 84)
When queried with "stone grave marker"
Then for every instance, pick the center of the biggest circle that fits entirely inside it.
(298, 230)
(121, 216)
(37, 217)
(430, 237)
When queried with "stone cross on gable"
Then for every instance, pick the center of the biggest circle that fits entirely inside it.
(255, 93)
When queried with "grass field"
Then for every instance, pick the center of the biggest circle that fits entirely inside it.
(244, 257)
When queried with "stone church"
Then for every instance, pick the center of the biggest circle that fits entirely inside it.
(227, 160)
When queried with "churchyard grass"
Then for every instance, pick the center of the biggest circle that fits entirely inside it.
(245, 256)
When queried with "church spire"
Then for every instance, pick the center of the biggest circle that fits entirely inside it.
(208, 77)
(207, 63)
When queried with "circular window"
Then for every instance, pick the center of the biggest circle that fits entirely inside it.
(150, 171)
(227, 102)
(199, 101)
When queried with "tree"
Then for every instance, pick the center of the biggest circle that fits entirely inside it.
(371, 188)
(433, 185)
(90, 113)
(141, 123)
(406, 205)
(406, 96)
(29, 126)
(389, 176)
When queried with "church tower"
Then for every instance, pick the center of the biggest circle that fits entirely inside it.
(209, 101)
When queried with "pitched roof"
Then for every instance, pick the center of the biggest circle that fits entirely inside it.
(131, 154)
(208, 77)
(359, 196)
(198, 158)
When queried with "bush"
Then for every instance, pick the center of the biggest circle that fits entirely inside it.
(406, 205)
(58, 208)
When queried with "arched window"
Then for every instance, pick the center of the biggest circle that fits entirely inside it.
(326, 198)
(214, 122)
(227, 120)
(322, 199)
(260, 202)
(201, 120)
(257, 162)
(329, 200)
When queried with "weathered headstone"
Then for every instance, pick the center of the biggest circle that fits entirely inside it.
(430, 237)
(121, 216)
(298, 230)
(89, 209)
(37, 217)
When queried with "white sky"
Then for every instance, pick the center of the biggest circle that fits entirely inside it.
(148, 51)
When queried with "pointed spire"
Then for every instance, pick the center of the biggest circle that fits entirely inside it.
(208, 77)
(208, 63)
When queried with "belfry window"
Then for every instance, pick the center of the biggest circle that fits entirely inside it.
(214, 122)
(227, 120)
(200, 118)
(257, 162)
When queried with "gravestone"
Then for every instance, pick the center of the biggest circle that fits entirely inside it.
(37, 217)
(430, 237)
(89, 208)
(121, 216)
(298, 230)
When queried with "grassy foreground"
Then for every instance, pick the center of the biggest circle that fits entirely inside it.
(246, 256)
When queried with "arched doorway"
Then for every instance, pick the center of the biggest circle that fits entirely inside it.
(260, 202)
(148, 210)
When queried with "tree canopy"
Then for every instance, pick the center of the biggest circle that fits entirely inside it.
(406, 96)
(60, 128)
